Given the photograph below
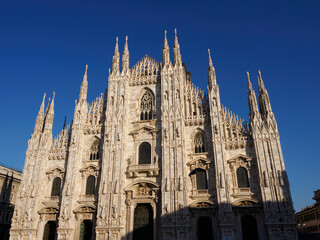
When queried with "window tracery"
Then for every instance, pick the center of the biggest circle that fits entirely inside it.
(95, 150)
(199, 143)
(146, 106)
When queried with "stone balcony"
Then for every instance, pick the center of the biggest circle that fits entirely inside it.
(51, 200)
(200, 194)
(242, 192)
(149, 170)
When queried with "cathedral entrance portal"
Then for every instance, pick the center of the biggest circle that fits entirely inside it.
(249, 228)
(50, 230)
(143, 222)
(205, 228)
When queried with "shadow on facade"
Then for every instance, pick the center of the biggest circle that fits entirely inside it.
(6, 207)
(309, 236)
(245, 221)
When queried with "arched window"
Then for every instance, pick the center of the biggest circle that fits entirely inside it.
(50, 230)
(242, 177)
(95, 151)
(85, 230)
(56, 185)
(201, 178)
(145, 153)
(91, 182)
(146, 106)
(199, 143)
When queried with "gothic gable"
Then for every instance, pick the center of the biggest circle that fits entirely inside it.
(146, 71)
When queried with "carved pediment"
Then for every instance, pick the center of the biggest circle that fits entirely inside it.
(245, 203)
(240, 160)
(199, 163)
(56, 171)
(85, 209)
(91, 168)
(142, 129)
(49, 210)
(239, 156)
(202, 204)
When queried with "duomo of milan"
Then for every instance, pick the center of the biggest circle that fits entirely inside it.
(154, 157)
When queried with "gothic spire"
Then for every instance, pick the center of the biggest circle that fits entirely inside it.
(264, 101)
(165, 50)
(252, 100)
(211, 71)
(125, 57)
(49, 115)
(40, 117)
(176, 50)
(84, 87)
(115, 59)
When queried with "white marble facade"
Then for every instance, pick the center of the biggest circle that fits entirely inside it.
(156, 153)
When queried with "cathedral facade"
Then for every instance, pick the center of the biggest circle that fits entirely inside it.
(154, 157)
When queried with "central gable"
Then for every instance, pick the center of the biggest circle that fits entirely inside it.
(145, 71)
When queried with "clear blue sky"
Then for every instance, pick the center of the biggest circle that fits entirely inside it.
(45, 45)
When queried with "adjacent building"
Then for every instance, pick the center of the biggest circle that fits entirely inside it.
(308, 219)
(10, 180)
(155, 157)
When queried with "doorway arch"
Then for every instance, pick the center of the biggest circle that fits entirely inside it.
(249, 228)
(50, 230)
(143, 222)
(85, 230)
(205, 228)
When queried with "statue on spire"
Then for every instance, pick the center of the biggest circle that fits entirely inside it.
(49, 115)
(176, 50)
(264, 101)
(211, 71)
(252, 100)
(84, 86)
(115, 59)
(125, 57)
(40, 117)
(165, 50)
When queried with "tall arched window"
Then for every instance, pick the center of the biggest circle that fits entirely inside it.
(95, 150)
(91, 182)
(146, 106)
(242, 177)
(56, 185)
(145, 153)
(50, 230)
(201, 178)
(199, 143)
(85, 230)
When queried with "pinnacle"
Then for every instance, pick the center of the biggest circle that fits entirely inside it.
(176, 43)
(165, 42)
(210, 60)
(249, 82)
(85, 73)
